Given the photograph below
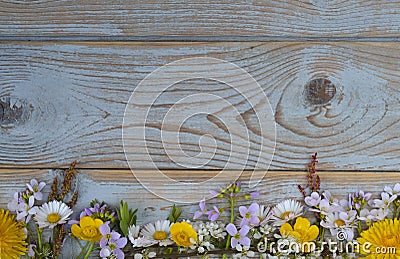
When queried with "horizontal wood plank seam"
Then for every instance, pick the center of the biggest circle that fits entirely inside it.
(193, 170)
(73, 38)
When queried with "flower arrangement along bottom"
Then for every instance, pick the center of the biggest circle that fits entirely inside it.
(318, 227)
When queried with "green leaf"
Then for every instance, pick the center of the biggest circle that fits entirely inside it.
(126, 217)
(174, 214)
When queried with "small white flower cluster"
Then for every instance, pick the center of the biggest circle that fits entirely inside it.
(262, 231)
(215, 229)
(206, 232)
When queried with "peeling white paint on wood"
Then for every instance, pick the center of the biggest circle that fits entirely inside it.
(76, 93)
(201, 18)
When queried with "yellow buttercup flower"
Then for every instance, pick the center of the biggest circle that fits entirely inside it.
(88, 229)
(302, 231)
(182, 233)
(12, 236)
(381, 240)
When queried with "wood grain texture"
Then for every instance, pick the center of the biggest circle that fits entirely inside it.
(188, 19)
(113, 185)
(65, 101)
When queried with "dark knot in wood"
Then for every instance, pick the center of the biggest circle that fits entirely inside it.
(319, 91)
(13, 114)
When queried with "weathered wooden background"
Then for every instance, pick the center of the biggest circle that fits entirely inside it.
(68, 68)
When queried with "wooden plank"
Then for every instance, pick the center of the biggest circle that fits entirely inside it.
(65, 101)
(114, 185)
(315, 18)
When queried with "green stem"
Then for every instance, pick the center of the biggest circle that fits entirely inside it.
(89, 250)
(359, 227)
(83, 250)
(39, 235)
(321, 237)
(228, 241)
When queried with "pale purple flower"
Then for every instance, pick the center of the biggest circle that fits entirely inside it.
(213, 215)
(327, 195)
(31, 251)
(395, 190)
(238, 237)
(249, 215)
(100, 212)
(214, 193)
(312, 200)
(202, 210)
(36, 188)
(26, 210)
(324, 207)
(385, 202)
(111, 243)
(379, 214)
(359, 199)
(366, 215)
(348, 216)
(17, 204)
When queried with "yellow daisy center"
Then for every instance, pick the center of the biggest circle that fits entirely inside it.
(90, 231)
(285, 214)
(53, 217)
(339, 222)
(160, 235)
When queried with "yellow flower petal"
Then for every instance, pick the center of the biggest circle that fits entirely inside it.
(86, 222)
(301, 225)
(312, 234)
(286, 229)
(383, 238)
(182, 233)
(98, 223)
(88, 230)
(12, 236)
(76, 230)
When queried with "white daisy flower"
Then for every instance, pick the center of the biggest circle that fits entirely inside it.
(285, 211)
(52, 213)
(136, 240)
(158, 232)
(264, 214)
(337, 222)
